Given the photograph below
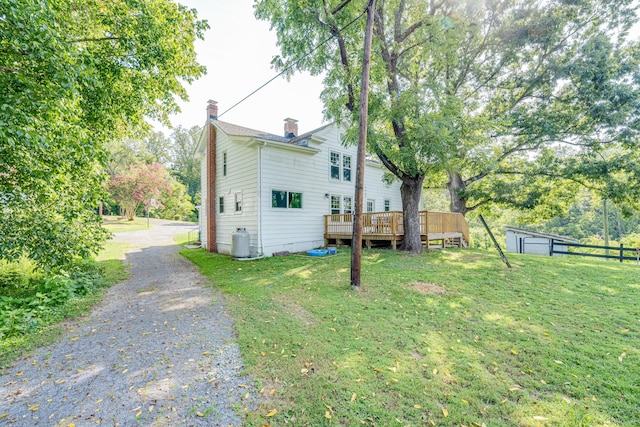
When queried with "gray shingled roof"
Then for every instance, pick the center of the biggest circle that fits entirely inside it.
(235, 130)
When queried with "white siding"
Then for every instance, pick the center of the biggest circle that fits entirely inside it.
(285, 229)
(242, 173)
(528, 244)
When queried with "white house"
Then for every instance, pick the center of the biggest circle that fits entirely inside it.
(531, 242)
(279, 188)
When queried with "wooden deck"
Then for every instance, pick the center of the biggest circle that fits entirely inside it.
(437, 229)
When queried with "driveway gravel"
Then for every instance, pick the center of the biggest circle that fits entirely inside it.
(159, 351)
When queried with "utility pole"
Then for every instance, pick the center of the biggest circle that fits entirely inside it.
(356, 240)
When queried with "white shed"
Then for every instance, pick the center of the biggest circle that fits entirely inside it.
(531, 242)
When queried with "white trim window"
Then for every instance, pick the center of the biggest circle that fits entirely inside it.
(238, 201)
(339, 166)
(346, 168)
(347, 202)
(387, 205)
(371, 205)
(286, 199)
(224, 163)
(221, 204)
(336, 204)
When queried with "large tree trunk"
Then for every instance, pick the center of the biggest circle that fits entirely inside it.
(455, 186)
(411, 190)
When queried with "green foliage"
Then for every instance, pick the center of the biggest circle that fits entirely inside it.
(176, 205)
(142, 183)
(30, 300)
(185, 165)
(31, 328)
(74, 77)
(473, 91)
(551, 341)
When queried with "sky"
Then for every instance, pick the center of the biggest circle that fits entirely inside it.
(237, 51)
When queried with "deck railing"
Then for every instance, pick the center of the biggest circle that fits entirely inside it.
(391, 224)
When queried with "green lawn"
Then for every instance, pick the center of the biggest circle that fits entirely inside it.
(449, 337)
(117, 225)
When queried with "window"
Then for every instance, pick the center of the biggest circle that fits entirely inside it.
(286, 199)
(335, 165)
(224, 163)
(238, 201)
(387, 205)
(335, 204)
(347, 204)
(340, 163)
(221, 204)
(346, 168)
(371, 205)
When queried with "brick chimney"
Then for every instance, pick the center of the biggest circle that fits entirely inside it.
(212, 110)
(211, 205)
(290, 128)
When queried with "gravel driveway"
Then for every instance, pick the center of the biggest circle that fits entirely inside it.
(159, 351)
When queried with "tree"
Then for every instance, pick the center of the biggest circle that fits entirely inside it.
(185, 165)
(139, 186)
(177, 205)
(75, 75)
(459, 87)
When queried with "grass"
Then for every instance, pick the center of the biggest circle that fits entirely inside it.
(117, 225)
(112, 270)
(448, 337)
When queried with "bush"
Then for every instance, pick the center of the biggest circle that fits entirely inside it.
(29, 300)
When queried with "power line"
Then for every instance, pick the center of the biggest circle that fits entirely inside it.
(296, 62)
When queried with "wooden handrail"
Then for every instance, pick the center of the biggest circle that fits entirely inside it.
(392, 223)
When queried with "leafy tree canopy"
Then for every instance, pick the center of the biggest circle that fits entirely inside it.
(74, 75)
(460, 88)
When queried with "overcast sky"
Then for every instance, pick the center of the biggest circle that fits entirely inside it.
(237, 52)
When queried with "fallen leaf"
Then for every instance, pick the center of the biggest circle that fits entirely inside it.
(543, 381)
(273, 390)
(327, 415)
(199, 414)
(624, 331)
(353, 397)
(417, 406)
(539, 418)
(19, 374)
(125, 371)
(34, 407)
(271, 413)
(513, 351)
(445, 412)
